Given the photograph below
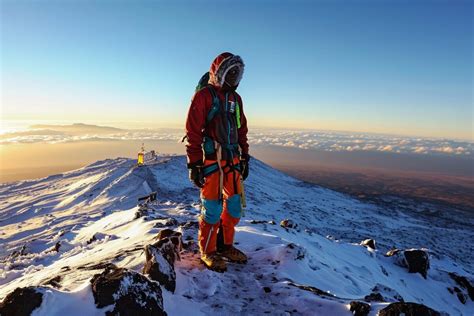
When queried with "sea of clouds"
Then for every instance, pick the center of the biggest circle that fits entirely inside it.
(303, 139)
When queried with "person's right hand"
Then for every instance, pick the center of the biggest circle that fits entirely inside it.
(196, 173)
(244, 165)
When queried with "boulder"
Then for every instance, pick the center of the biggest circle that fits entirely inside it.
(407, 309)
(22, 301)
(161, 256)
(130, 292)
(417, 261)
(158, 268)
(359, 308)
(369, 243)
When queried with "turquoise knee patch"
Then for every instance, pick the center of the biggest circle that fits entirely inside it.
(233, 206)
(211, 209)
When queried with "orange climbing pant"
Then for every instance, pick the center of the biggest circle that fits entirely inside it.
(221, 206)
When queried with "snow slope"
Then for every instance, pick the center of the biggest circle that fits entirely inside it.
(323, 251)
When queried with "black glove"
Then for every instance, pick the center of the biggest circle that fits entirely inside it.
(196, 173)
(244, 165)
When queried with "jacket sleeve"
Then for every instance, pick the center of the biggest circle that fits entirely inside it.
(243, 141)
(195, 124)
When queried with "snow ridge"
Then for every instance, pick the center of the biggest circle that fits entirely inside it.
(57, 232)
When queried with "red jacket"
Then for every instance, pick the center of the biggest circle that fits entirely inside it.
(196, 127)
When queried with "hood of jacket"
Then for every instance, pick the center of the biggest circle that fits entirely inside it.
(221, 65)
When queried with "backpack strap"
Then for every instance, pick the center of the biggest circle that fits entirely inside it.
(216, 104)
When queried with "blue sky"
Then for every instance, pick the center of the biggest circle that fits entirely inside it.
(402, 67)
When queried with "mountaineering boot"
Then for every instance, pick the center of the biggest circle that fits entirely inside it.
(233, 254)
(214, 262)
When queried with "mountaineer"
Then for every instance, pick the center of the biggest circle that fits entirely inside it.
(217, 153)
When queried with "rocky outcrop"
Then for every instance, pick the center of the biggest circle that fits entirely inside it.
(21, 302)
(415, 260)
(407, 309)
(359, 308)
(130, 292)
(161, 256)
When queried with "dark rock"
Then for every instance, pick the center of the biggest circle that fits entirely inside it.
(165, 233)
(166, 222)
(158, 268)
(359, 308)
(288, 223)
(189, 244)
(95, 266)
(464, 283)
(461, 297)
(254, 221)
(311, 289)
(172, 249)
(370, 243)
(417, 261)
(383, 293)
(300, 254)
(17, 253)
(54, 282)
(22, 301)
(267, 289)
(374, 297)
(190, 224)
(161, 256)
(92, 239)
(141, 212)
(131, 292)
(407, 309)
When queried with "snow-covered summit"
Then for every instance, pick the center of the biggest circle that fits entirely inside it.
(59, 231)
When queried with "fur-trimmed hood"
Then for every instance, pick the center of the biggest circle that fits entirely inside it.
(221, 65)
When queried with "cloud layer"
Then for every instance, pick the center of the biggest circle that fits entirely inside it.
(303, 139)
(347, 141)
